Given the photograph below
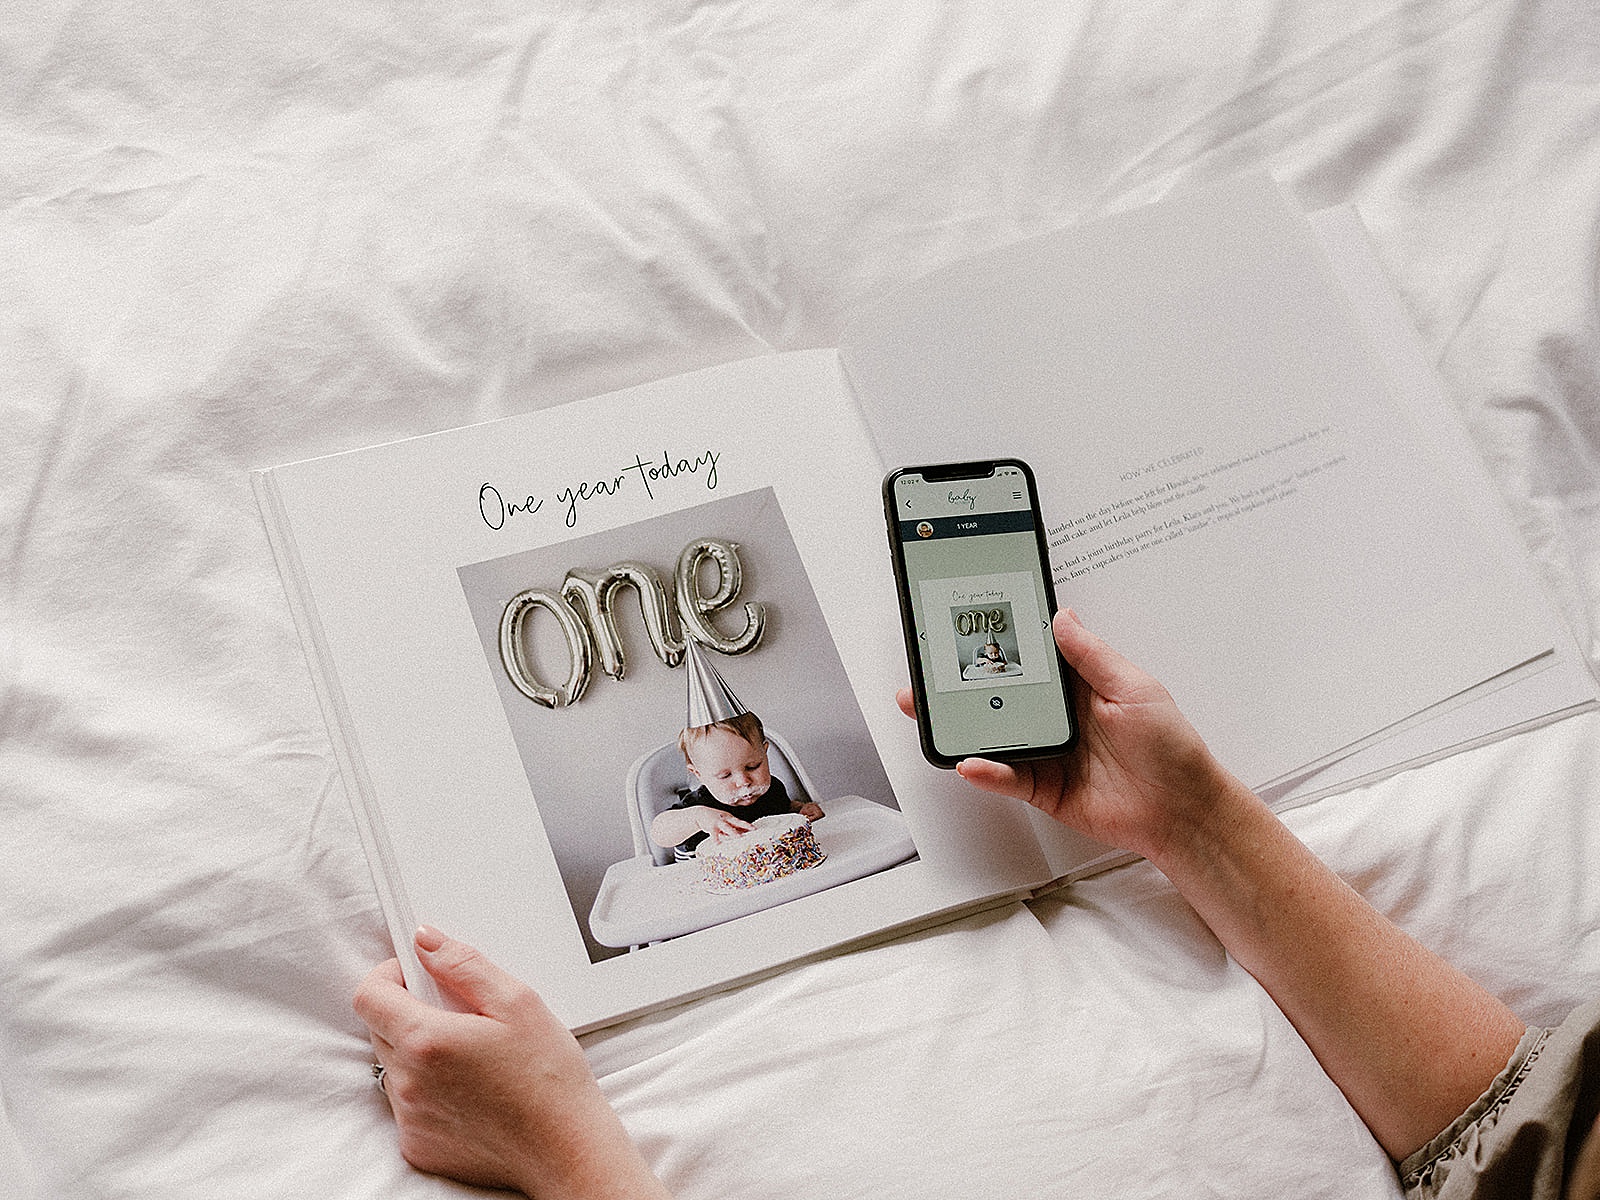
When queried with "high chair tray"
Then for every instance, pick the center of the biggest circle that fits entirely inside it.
(640, 902)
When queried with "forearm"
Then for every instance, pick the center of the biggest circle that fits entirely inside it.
(592, 1158)
(674, 827)
(1409, 1039)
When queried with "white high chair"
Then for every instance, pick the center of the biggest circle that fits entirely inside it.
(650, 898)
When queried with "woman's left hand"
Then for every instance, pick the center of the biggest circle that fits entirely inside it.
(498, 1094)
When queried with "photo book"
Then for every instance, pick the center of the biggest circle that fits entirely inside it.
(551, 649)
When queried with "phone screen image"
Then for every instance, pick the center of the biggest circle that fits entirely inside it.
(977, 601)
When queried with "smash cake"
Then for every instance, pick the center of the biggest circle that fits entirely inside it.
(775, 847)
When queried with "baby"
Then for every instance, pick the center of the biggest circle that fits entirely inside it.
(989, 656)
(729, 759)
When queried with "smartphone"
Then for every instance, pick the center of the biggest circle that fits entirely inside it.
(976, 601)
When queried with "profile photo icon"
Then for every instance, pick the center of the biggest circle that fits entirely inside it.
(925, 529)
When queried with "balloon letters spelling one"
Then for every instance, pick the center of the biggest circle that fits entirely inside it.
(584, 608)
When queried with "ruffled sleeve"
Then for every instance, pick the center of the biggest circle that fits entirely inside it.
(1519, 1138)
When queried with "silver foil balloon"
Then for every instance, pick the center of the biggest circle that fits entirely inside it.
(696, 608)
(513, 654)
(594, 594)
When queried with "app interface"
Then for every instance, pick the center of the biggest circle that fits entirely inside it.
(991, 674)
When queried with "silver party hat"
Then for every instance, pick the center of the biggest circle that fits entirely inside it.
(710, 698)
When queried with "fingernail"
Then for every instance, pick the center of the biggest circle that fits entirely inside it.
(428, 938)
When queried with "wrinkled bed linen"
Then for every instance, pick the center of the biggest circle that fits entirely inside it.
(231, 237)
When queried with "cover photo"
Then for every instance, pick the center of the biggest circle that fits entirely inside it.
(659, 674)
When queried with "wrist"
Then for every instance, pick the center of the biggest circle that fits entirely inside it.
(590, 1158)
(1223, 819)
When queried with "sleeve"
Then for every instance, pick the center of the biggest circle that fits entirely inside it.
(1521, 1136)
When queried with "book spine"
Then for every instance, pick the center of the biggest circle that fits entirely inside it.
(381, 859)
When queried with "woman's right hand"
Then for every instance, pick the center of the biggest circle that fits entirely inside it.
(1139, 777)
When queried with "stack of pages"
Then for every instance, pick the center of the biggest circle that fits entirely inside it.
(1251, 485)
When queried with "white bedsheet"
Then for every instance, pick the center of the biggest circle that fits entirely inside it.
(234, 236)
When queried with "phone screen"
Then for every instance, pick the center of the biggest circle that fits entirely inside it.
(976, 599)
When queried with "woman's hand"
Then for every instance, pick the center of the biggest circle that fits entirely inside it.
(1140, 776)
(499, 1094)
(1408, 1038)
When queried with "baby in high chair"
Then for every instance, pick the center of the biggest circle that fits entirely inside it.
(729, 760)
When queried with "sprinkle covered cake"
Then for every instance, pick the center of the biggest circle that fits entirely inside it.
(775, 847)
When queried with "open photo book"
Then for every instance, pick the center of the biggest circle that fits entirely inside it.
(1245, 488)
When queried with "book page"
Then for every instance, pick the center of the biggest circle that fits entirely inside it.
(1231, 493)
(1545, 689)
(445, 577)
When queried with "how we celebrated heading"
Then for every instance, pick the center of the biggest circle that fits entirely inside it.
(497, 511)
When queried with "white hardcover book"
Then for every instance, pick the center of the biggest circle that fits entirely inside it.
(1246, 487)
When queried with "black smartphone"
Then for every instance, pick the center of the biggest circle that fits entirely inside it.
(976, 601)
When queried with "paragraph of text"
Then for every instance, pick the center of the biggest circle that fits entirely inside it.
(1189, 502)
